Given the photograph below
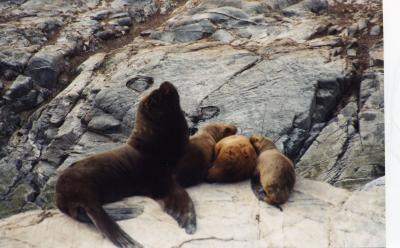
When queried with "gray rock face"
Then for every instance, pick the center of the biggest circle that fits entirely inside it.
(103, 123)
(316, 6)
(222, 35)
(375, 30)
(20, 87)
(45, 39)
(186, 32)
(44, 67)
(269, 67)
(140, 83)
(350, 150)
(362, 24)
(13, 59)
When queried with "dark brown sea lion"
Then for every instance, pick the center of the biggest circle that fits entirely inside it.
(274, 176)
(235, 160)
(142, 166)
(192, 168)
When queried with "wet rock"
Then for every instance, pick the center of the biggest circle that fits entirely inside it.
(45, 67)
(21, 86)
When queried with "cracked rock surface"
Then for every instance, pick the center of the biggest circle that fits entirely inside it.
(317, 214)
(309, 74)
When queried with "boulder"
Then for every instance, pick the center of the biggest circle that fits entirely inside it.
(45, 67)
(20, 87)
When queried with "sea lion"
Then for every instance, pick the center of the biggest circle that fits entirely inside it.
(192, 168)
(235, 160)
(142, 166)
(274, 176)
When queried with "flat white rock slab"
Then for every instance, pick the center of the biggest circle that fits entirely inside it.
(317, 215)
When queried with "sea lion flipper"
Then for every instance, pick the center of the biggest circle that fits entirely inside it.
(110, 228)
(279, 207)
(180, 206)
(257, 188)
(118, 214)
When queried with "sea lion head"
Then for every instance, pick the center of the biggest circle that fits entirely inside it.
(162, 101)
(276, 194)
(160, 126)
(261, 143)
(228, 129)
(219, 130)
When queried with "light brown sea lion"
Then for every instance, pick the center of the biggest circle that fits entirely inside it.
(142, 166)
(235, 160)
(192, 168)
(274, 176)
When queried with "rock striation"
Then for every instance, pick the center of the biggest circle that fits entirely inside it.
(309, 74)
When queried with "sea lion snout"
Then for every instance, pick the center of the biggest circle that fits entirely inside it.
(163, 100)
(167, 87)
(261, 143)
(230, 130)
(277, 196)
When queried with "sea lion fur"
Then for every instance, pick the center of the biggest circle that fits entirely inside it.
(142, 166)
(235, 160)
(192, 168)
(274, 177)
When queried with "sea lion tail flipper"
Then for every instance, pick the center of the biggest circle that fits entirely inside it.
(118, 214)
(115, 213)
(257, 188)
(110, 228)
(180, 206)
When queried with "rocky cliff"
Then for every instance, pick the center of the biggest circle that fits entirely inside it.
(307, 73)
